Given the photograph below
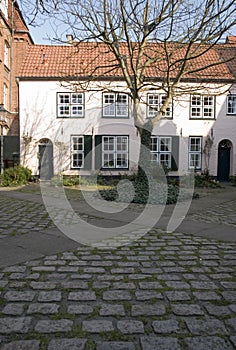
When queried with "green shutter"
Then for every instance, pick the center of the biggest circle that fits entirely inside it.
(175, 153)
(87, 152)
(98, 152)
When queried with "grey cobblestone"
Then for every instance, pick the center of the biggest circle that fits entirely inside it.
(204, 343)
(164, 291)
(54, 326)
(166, 326)
(160, 343)
(115, 345)
(130, 326)
(15, 325)
(22, 345)
(43, 308)
(64, 344)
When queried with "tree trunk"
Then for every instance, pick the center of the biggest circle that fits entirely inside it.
(142, 179)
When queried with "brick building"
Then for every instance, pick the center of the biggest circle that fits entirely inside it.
(14, 40)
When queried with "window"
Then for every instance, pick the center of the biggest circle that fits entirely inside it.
(115, 105)
(4, 7)
(195, 152)
(5, 95)
(77, 152)
(231, 104)
(202, 107)
(6, 54)
(115, 152)
(70, 104)
(154, 104)
(161, 150)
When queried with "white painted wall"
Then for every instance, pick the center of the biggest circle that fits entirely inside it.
(38, 119)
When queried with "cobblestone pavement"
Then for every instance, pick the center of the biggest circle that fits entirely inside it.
(162, 292)
(18, 217)
(222, 213)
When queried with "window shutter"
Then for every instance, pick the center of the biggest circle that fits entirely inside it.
(175, 153)
(87, 152)
(98, 152)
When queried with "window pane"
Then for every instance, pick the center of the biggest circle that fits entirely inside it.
(77, 110)
(196, 112)
(154, 144)
(168, 109)
(153, 99)
(122, 160)
(195, 144)
(108, 160)
(165, 144)
(108, 143)
(77, 160)
(195, 161)
(196, 100)
(154, 157)
(77, 98)
(121, 105)
(165, 159)
(121, 143)
(64, 98)
(231, 104)
(64, 110)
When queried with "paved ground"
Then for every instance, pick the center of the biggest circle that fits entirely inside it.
(165, 291)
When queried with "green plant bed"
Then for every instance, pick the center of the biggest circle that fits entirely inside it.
(160, 194)
(206, 181)
(15, 176)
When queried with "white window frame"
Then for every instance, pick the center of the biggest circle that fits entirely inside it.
(70, 105)
(77, 140)
(113, 152)
(6, 53)
(231, 104)
(154, 104)
(202, 107)
(161, 150)
(195, 153)
(115, 105)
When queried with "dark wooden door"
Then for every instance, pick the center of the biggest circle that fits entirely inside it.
(45, 161)
(223, 164)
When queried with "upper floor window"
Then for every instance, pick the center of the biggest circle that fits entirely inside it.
(195, 152)
(115, 105)
(115, 152)
(202, 107)
(70, 104)
(4, 7)
(77, 152)
(154, 104)
(6, 54)
(231, 104)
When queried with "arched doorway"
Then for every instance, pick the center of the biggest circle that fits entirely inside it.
(45, 152)
(224, 150)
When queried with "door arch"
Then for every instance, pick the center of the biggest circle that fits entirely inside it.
(224, 152)
(45, 152)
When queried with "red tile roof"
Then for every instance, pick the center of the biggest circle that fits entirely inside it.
(86, 59)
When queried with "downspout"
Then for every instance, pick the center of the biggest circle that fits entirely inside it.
(11, 55)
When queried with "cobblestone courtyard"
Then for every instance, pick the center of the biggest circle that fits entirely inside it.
(162, 292)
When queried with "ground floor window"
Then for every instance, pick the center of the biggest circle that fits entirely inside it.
(195, 152)
(77, 151)
(115, 152)
(161, 150)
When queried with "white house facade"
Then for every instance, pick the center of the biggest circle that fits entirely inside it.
(92, 130)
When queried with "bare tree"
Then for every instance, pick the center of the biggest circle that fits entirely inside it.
(171, 37)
